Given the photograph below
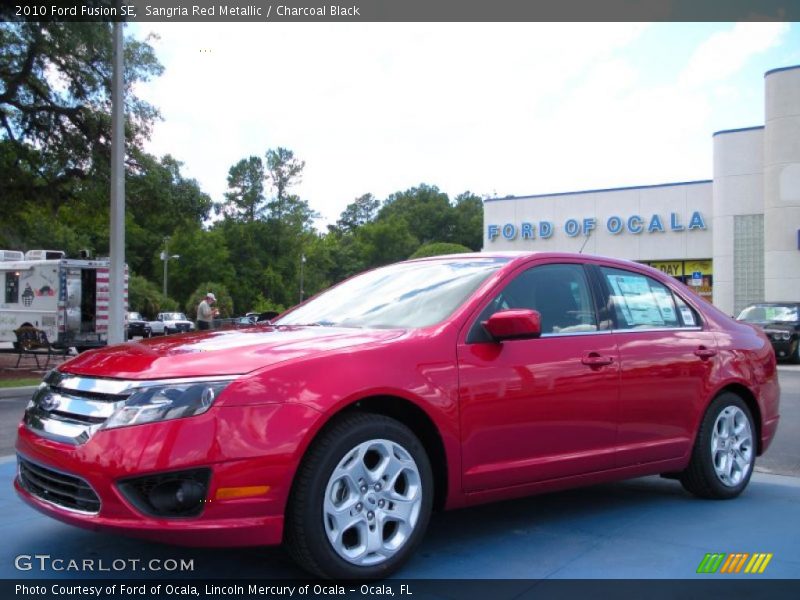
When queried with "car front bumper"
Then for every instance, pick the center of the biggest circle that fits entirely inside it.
(249, 448)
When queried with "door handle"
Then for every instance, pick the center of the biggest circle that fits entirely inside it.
(705, 353)
(593, 359)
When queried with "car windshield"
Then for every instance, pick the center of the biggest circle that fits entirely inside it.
(134, 316)
(404, 295)
(174, 317)
(782, 313)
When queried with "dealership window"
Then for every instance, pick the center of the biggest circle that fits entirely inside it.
(560, 293)
(642, 302)
(12, 288)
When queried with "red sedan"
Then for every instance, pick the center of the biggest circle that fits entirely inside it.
(436, 383)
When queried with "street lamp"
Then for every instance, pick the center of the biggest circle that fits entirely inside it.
(302, 266)
(166, 258)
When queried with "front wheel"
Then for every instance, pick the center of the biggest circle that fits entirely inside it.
(361, 501)
(724, 452)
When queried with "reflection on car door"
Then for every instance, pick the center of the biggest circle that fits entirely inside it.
(666, 362)
(538, 409)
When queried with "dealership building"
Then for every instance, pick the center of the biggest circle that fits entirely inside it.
(735, 238)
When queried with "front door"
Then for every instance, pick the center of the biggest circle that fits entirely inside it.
(539, 409)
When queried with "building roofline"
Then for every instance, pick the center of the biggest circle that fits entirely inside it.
(617, 189)
(740, 129)
(779, 69)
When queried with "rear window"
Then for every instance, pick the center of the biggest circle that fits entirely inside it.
(641, 302)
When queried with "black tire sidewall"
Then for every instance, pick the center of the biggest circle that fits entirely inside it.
(325, 556)
(706, 460)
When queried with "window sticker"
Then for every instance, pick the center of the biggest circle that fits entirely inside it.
(665, 304)
(637, 302)
(688, 316)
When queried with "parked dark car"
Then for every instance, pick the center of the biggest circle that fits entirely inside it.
(781, 322)
(135, 326)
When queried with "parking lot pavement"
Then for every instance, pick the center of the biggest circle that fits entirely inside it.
(644, 528)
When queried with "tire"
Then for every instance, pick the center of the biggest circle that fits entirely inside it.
(345, 474)
(724, 451)
(795, 357)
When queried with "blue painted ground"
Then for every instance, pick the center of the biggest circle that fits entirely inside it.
(644, 528)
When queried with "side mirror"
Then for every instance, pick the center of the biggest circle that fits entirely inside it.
(516, 324)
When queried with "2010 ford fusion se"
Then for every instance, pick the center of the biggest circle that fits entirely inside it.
(435, 383)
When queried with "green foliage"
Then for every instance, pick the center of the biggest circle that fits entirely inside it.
(145, 297)
(55, 104)
(426, 210)
(54, 190)
(262, 305)
(438, 249)
(361, 211)
(224, 301)
(245, 198)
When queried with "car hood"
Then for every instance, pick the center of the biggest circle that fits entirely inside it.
(774, 325)
(231, 352)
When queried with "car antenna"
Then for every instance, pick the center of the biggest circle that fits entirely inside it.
(588, 235)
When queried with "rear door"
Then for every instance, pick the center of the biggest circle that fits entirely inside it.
(666, 359)
(545, 408)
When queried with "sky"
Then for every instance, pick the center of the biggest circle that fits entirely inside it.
(496, 109)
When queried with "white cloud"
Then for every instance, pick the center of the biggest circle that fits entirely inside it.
(507, 108)
(725, 52)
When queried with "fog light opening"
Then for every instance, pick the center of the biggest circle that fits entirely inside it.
(173, 497)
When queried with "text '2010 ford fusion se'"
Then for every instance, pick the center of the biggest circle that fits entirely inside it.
(430, 384)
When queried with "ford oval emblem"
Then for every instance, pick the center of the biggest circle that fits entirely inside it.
(49, 403)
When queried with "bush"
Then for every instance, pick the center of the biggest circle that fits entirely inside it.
(439, 248)
(145, 297)
(224, 301)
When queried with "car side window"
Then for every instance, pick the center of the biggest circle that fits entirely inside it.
(560, 293)
(641, 302)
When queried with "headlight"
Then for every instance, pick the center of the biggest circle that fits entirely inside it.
(786, 335)
(163, 402)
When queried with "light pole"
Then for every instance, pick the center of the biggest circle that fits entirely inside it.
(302, 267)
(166, 258)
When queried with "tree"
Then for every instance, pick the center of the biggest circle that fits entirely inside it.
(439, 248)
(468, 221)
(426, 210)
(245, 200)
(55, 104)
(283, 171)
(224, 301)
(145, 297)
(361, 211)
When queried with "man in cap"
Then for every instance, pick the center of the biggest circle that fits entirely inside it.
(206, 314)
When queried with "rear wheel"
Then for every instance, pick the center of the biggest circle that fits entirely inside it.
(724, 452)
(361, 501)
(795, 358)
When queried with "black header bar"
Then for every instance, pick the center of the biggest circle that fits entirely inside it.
(399, 10)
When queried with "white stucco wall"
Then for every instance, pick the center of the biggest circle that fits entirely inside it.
(738, 189)
(782, 184)
(683, 199)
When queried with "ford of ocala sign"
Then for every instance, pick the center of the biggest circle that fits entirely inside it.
(634, 224)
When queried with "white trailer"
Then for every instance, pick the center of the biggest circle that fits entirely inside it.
(66, 298)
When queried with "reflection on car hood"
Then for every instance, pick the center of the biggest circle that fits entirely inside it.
(229, 352)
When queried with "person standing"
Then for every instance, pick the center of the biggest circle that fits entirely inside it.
(205, 312)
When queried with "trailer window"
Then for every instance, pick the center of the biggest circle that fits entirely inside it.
(12, 288)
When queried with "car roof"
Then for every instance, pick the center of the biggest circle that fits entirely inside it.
(520, 256)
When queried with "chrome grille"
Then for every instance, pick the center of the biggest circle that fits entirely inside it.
(55, 487)
(71, 409)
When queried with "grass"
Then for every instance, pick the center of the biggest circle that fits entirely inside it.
(8, 383)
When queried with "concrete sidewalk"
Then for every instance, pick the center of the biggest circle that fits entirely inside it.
(644, 528)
